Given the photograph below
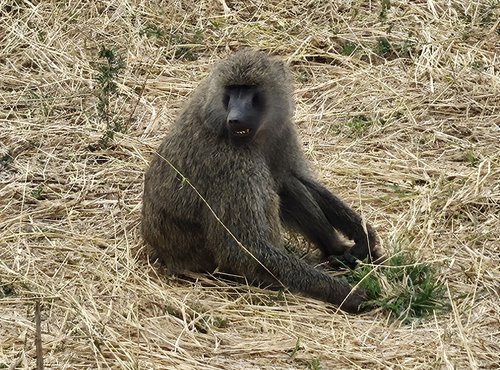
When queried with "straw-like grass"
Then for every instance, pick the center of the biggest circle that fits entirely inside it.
(398, 107)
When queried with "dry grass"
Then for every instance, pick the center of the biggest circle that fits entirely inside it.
(399, 112)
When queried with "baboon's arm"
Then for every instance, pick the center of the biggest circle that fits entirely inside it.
(343, 218)
(299, 210)
(249, 252)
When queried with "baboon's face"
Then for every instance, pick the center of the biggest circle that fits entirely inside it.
(245, 107)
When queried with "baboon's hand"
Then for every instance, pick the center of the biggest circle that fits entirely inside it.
(366, 246)
(342, 261)
(377, 256)
(356, 301)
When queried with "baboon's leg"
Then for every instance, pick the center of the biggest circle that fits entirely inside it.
(252, 219)
(343, 218)
(300, 211)
(265, 263)
(179, 244)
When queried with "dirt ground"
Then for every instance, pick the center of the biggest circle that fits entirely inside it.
(398, 108)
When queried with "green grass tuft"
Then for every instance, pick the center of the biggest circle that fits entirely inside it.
(405, 287)
(359, 123)
(383, 47)
(348, 48)
(314, 364)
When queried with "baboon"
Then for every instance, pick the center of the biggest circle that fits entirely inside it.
(231, 172)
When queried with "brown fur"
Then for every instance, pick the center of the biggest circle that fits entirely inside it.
(253, 189)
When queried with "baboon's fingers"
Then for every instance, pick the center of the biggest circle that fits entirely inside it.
(300, 211)
(346, 260)
(356, 301)
(378, 256)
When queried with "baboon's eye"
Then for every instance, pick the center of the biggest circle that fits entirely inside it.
(256, 100)
(225, 100)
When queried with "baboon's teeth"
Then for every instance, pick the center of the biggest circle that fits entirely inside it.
(243, 132)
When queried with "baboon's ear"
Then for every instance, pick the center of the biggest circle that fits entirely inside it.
(280, 66)
(282, 71)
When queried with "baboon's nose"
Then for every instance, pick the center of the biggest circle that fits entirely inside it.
(234, 117)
